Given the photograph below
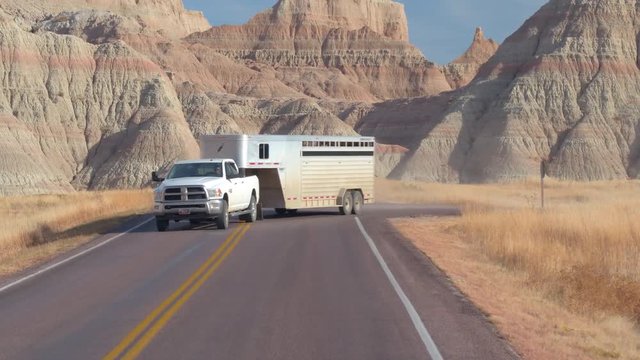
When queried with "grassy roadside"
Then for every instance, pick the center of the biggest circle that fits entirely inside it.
(37, 228)
(569, 275)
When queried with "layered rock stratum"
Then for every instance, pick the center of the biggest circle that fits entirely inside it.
(168, 16)
(565, 87)
(96, 94)
(353, 50)
(462, 70)
(73, 113)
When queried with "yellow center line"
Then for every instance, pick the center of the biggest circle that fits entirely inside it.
(140, 328)
(155, 328)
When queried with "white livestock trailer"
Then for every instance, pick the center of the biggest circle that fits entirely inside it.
(302, 172)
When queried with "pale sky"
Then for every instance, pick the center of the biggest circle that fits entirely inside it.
(443, 29)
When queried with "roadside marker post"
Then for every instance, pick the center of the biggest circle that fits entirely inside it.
(543, 173)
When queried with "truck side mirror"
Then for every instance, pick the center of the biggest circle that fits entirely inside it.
(156, 178)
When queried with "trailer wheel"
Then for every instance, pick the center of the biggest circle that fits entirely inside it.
(162, 225)
(222, 221)
(253, 215)
(358, 202)
(347, 204)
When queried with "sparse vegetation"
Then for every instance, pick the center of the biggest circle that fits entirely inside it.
(581, 253)
(35, 228)
(586, 256)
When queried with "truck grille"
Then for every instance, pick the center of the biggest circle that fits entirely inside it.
(185, 193)
(197, 206)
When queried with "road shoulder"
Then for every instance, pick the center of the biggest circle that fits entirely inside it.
(50, 256)
(535, 326)
(457, 326)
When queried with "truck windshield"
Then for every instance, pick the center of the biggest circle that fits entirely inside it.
(195, 170)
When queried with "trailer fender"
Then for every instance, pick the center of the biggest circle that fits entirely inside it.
(341, 196)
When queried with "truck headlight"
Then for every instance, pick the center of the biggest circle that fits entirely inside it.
(214, 193)
(157, 196)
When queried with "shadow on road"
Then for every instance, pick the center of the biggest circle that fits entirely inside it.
(390, 210)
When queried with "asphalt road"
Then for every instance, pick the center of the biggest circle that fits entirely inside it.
(303, 287)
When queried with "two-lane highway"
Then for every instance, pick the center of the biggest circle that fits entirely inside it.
(314, 286)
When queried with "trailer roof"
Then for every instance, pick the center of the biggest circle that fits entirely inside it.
(202, 161)
(267, 138)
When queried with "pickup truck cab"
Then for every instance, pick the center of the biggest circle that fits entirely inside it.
(204, 190)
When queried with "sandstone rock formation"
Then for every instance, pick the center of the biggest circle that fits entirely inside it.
(342, 49)
(388, 157)
(168, 16)
(202, 76)
(565, 86)
(98, 93)
(462, 70)
(81, 113)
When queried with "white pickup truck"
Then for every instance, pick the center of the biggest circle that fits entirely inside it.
(204, 190)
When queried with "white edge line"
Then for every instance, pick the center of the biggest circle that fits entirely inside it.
(432, 349)
(60, 263)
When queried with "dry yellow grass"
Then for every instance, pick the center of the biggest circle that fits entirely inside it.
(523, 195)
(586, 257)
(582, 253)
(35, 228)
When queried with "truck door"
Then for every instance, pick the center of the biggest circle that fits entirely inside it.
(237, 199)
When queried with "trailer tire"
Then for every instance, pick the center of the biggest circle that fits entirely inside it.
(358, 202)
(253, 215)
(162, 225)
(222, 221)
(347, 204)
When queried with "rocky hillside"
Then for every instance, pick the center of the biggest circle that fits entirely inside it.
(98, 93)
(168, 16)
(353, 50)
(82, 114)
(564, 87)
(462, 70)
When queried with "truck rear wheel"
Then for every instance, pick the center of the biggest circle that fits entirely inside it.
(347, 204)
(358, 202)
(162, 225)
(253, 215)
(222, 221)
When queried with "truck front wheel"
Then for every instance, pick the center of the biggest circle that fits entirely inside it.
(222, 221)
(162, 225)
(347, 204)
